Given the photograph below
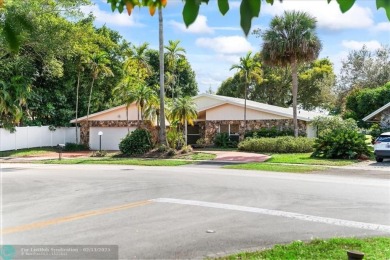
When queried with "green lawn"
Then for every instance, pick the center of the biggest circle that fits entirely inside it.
(374, 248)
(197, 156)
(144, 162)
(27, 152)
(304, 158)
(273, 167)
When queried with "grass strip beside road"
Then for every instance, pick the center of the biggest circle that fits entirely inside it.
(335, 248)
(276, 167)
(28, 152)
(304, 158)
(118, 161)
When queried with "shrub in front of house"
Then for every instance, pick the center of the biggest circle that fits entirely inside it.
(341, 144)
(270, 132)
(175, 138)
(136, 143)
(71, 147)
(326, 124)
(223, 140)
(283, 144)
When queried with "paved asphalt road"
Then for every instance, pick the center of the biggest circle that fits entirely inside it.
(165, 212)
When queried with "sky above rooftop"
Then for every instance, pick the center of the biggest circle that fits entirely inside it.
(215, 42)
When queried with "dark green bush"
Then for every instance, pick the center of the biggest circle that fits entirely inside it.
(137, 142)
(270, 132)
(341, 144)
(283, 144)
(70, 147)
(224, 140)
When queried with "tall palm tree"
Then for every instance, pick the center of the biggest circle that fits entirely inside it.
(250, 69)
(185, 112)
(98, 66)
(163, 133)
(291, 40)
(174, 53)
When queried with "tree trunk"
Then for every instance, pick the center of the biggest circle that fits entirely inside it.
(89, 100)
(162, 134)
(77, 105)
(127, 118)
(294, 71)
(245, 93)
(185, 131)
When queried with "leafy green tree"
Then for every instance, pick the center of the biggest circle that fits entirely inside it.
(12, 97)
(362, 102)
(187, 85)
(291, 40)
(316, 83)
(250, 69)
(362, 69)
(184, 110)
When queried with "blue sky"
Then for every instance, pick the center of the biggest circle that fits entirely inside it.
(215, 42)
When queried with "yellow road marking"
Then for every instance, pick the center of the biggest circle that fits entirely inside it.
(72, 217)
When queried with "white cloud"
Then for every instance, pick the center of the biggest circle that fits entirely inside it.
(234, 4)
(328, 16)
(110, 18)
(382, 27)
(226, 44)
(356, 45)
(199, 26)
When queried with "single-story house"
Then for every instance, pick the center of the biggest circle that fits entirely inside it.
(381, 116)
(216, 114)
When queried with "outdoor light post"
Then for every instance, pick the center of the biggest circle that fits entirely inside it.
(100, 143)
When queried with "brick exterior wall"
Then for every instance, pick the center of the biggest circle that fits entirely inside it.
(85, 126)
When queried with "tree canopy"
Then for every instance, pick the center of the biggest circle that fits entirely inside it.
(249, 9)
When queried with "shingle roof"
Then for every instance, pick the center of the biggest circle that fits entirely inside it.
(282, 111)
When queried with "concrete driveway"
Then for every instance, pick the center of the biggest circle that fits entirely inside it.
(184, 212)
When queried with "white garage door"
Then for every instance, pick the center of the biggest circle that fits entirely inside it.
(110, 139)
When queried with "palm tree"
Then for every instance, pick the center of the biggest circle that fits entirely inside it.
(163, 133)
(143, 94)
(250, 69)
(152, 109)
(291, 40)
(98, 65)
(138, 55)
(185, 112)
(125, 91)
(173, 54)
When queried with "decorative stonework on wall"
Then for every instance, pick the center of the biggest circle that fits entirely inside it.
(85, 126)
(385, 119)
(212, 127)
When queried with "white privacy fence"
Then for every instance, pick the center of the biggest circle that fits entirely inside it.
(35, 136)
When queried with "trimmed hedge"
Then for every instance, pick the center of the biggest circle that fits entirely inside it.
(285, 144)
(71, 147)
(270, 132)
